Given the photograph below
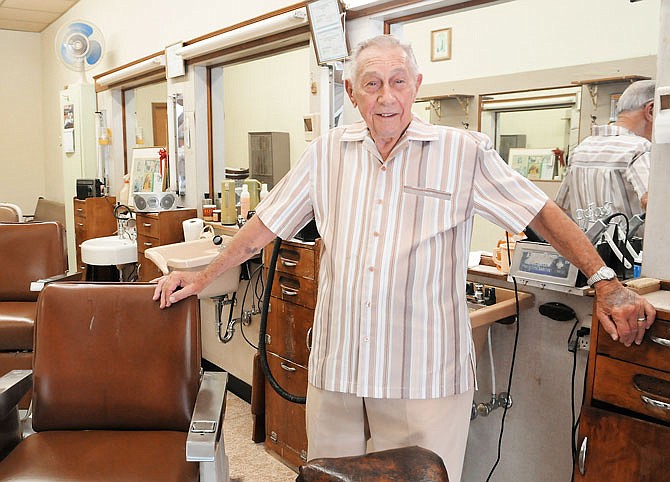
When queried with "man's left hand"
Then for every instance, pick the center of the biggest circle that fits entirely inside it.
(623, 314)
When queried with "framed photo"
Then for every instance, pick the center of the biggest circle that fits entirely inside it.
(440, 44)
(327, 28)
(146, 173)
(535, 164)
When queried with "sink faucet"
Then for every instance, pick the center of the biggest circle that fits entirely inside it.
(125, 223)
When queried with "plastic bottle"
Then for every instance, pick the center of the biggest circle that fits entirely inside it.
(245, 201)
(125, 190)
(264, 191)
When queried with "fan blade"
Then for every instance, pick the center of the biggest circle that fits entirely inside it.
(81, 28)
(94, 52)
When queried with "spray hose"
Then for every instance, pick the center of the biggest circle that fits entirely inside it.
(262, 349)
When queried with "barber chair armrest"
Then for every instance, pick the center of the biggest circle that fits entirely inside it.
(39, 284)
(13, 386)
(206, 422)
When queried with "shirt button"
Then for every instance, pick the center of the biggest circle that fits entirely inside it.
(367, 303)
(383, 168)
(375, 234)
(379, 201)
(366, 339)
(371, 268)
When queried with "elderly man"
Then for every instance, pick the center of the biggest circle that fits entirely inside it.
(393, 198)
(612, 165)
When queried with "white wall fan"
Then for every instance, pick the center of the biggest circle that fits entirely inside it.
(79, 46)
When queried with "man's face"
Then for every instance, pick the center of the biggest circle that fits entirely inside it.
(384, 90)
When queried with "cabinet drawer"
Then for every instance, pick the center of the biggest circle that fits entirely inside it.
(296, 290)
(145, 242)
(633, 387)
(291, 377)
(147, 269)
(653, 352)
(293, 259)
(290, 331)
(79, 208)
(148, 225)
(621, 449)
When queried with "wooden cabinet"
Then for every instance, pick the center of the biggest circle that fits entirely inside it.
(157, 229)
(624, 428)
(93, 218)
(288, 338)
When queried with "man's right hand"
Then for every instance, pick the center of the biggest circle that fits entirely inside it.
(176, 286)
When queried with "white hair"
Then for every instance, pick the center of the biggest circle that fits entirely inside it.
(381, 41)
(636, 96)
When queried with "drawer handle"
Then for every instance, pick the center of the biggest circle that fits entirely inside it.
(288, 262)
(286, 291)
(286, 367)
(81, 224)
(146, 225)
(308, 339)
(80, 210)
(655, 403)
(581, 462)
(660, 340)
(147, 243)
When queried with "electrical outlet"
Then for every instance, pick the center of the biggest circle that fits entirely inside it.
(583, 342)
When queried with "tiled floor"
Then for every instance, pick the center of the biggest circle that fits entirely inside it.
(249, 462)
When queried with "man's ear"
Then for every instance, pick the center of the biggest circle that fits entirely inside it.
(350, 91)
(649, 111)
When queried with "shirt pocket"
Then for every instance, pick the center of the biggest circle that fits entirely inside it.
(430, 208)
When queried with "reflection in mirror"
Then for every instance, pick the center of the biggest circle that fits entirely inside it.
(145, 117)
(179, 138)
(277, 104)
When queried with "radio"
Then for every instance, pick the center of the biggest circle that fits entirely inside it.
(151, 202)
(89, 188)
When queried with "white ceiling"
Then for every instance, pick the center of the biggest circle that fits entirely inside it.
(31, 15)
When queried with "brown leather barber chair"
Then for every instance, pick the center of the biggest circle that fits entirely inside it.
(28, 252)
(406, 464)
(118, 394)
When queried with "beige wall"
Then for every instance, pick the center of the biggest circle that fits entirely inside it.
(277, 103)
(22, 159)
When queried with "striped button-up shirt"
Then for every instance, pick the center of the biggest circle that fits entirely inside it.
(611, 165)
(391, 319)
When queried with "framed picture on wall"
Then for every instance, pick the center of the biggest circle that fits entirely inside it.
(440, 44)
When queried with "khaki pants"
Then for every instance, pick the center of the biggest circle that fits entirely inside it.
(338, 423)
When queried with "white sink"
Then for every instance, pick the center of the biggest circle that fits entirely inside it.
(108, 251)
(195, 256)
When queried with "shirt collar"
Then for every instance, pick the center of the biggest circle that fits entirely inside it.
(611, 130)
(418, 130)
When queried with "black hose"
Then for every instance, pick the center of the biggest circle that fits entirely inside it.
(262, 350)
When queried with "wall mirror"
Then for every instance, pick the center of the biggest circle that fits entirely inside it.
(267, 119)
(145, 119)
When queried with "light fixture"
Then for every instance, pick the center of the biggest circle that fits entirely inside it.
(276, 24)
(537, 102)
(132, 70)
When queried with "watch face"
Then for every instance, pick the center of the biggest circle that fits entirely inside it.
(607, 273)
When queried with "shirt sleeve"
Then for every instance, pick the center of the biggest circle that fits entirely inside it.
(638, 173)
(288, 206)
(502, 195)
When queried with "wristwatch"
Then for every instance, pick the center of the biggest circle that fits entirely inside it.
(604, 273)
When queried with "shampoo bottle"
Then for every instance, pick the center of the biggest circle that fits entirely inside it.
(125, 190)
(245, 201)
(264, 191)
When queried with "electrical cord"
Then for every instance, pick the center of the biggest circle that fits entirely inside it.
(244, 298)
(572, 394)
(511, 368)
